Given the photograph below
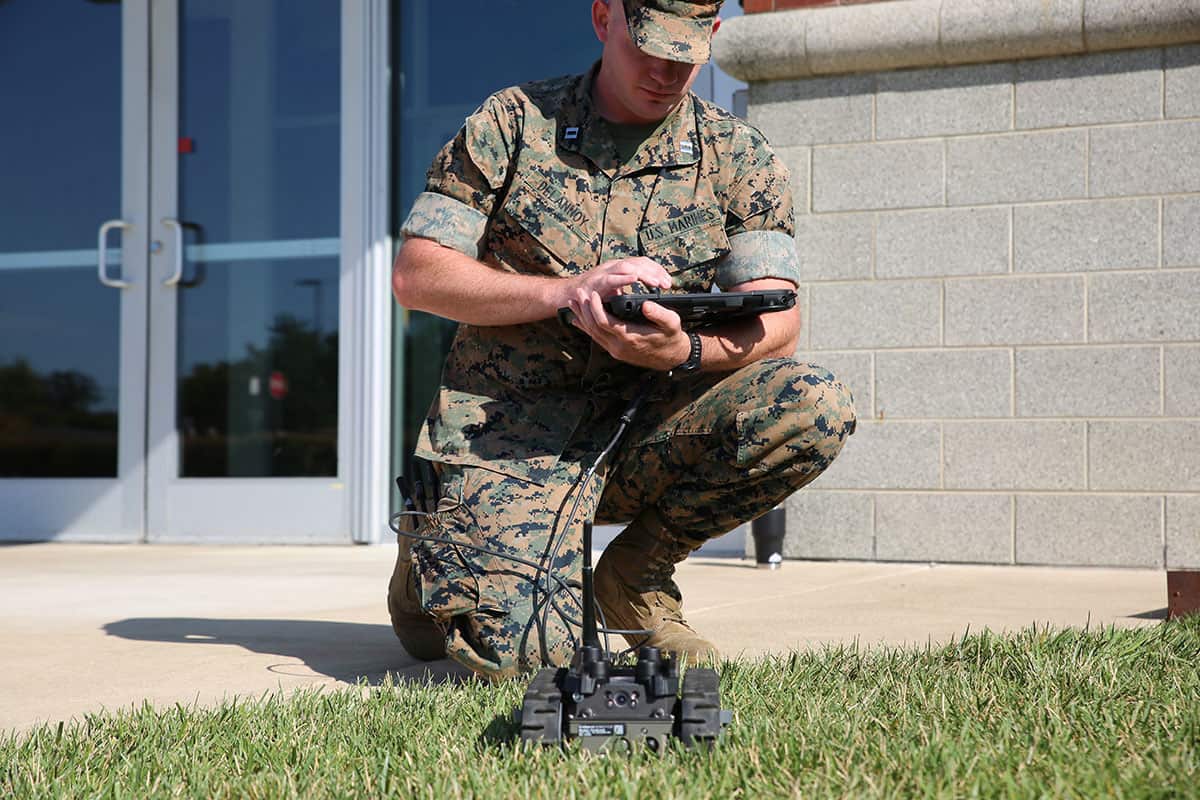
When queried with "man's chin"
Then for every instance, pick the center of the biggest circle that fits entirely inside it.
(655, 110)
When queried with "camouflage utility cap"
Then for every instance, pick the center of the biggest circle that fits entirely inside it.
(677, 30)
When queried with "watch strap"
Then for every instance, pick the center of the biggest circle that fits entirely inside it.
(693, 360)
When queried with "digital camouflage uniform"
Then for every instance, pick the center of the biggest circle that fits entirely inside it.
(532, 184)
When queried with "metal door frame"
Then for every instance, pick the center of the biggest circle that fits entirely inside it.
(353, 505)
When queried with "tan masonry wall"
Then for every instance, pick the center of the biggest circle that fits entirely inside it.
(1002, 260)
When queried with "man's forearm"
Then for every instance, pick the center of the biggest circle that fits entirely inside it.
(736, 344)
(442, 281)
(430, 277)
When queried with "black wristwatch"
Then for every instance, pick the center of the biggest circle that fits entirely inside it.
(693, 361)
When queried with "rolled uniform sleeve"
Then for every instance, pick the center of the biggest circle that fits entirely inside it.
(465, 180)
(760, 222)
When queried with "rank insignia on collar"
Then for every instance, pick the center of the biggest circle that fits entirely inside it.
(685, 147)
(571, 134)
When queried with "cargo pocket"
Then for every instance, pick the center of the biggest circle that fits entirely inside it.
(773, 437)
(452, 577)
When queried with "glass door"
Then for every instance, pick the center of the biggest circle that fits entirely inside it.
(245, 278)
(186, 218)
(73, 239)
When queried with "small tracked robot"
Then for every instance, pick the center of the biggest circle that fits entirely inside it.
(615, 708)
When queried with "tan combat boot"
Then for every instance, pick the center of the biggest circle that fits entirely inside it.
(415, 629)
(634, 591)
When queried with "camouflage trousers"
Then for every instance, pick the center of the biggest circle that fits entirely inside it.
(704, 454)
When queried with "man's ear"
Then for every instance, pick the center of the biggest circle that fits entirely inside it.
(600, 16)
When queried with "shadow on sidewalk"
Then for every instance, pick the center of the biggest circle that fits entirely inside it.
(346, 651)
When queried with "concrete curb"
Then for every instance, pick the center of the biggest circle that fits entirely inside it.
(784, 45)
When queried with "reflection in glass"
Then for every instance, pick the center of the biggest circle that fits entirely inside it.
(258, 392)
(259, 172)
(58, 374)
(60, 177)
(260, 113)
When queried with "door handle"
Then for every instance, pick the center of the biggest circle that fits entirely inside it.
(176, 274)
(102, 249)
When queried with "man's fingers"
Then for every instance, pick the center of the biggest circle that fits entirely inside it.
(598, 312)
(618, 274)
(583, 311)
(614, 283)
(661, 317)
(651, 279)
(633, 342)
(652, 273)
(590, 311)
(609, 283)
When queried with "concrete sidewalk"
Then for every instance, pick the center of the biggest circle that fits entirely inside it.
(89, 627)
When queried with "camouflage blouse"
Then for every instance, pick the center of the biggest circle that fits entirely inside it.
(532, 184)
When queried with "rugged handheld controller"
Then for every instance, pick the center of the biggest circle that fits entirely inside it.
(694, 309)
(704, 307)
(608, 707)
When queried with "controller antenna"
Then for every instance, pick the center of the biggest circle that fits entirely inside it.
(591, 637)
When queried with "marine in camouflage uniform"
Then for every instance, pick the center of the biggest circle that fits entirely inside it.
(533, 184)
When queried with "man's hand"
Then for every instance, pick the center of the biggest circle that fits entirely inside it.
(611, 277)
(428, 276)
(659, 343)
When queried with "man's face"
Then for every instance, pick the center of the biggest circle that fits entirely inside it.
(643, 88)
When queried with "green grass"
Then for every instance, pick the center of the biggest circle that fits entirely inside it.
(1039, 714)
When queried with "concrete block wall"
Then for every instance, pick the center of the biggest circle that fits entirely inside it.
(1003, 261)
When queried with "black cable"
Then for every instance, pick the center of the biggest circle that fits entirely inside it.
(568, 621)
(541, 625)
(394, 521)
(557, 536)
(540, 569)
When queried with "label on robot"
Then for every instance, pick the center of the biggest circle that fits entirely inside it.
(609, 729)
